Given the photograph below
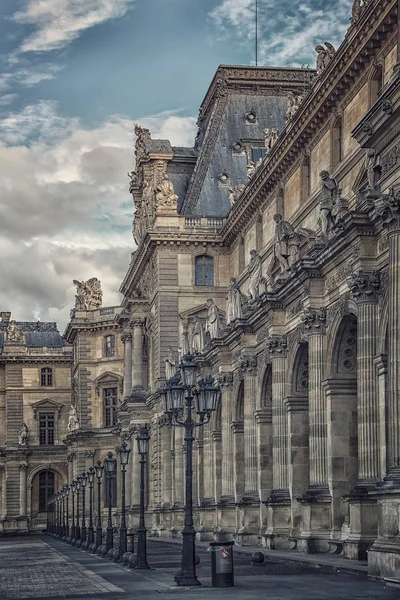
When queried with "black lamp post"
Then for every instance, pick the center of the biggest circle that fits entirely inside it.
(67, 491)
(110, 465)
(84, 479)
(142, 442)
(178, 405)
(63, 512)
(59, 514)
(90, 538)
(73, 490)
(99, 531)
(124, 453)
(77, 528)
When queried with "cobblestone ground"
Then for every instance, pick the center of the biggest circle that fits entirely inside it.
(41, 567)
(30, 568)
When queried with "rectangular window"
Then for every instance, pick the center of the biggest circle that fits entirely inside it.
(204, 270)
(46, 429)
(46, 377)
(46, 488)
(110, 406)
(110, 345)
(257, 154)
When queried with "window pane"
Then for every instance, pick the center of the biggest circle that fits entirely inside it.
(204, 270)
(110, 406)
(258, 153)
(46, 488)
(46, 377)
(110, 345)
(46, 429)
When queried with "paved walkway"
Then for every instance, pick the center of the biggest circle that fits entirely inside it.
(41, 567)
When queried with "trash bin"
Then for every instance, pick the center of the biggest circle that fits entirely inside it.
(222, 564)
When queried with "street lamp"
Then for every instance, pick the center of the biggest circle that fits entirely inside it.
(99, 531)
(110, 465)
(63, 512)
(124, 453)
(84, 479)
(77, 528)
(142, 442)
(91, 473)
(73, 489)
(67, 491)
(59, 528)
(178, 406)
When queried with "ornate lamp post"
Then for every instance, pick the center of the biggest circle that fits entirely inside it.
(77, 528)
(73, 490)
(99, 531)
(84, 479)
(58, 514)
(67, 491)
(110, 465)
(142, 442)
(63, 512)
(124, 453)
(90, 538)
(178, 406)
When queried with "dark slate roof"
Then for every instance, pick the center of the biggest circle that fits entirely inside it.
(158, 146)
(184, 151)
(37, 334)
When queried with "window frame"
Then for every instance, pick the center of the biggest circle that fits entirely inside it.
(49, 432)
(110, 349)
(46, 376)
(110, 412)
(49, 489)
(201, 279)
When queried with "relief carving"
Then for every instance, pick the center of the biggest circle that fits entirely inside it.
(89, 295)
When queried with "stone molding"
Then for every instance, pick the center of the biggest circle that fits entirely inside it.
(365, 286)
(277, 346)
(314, 320)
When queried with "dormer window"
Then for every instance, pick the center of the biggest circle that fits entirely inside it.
(46, 377)
(109, 345)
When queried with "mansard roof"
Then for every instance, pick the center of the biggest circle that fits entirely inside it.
(37, 334)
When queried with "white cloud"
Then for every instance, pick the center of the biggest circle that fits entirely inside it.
(65, 211)
(28, 76)
(58, 22)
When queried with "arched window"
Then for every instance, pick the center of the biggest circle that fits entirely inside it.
(337, 142)
(110, 396)
(376, 84)
(109, 345)
(204, 270)
(46, 377)
(46, 488)
(305, 179)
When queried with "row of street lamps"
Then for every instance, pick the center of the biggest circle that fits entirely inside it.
(182, 396)
(59, 516)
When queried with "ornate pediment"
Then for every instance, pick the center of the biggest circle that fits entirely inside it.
(46, 405)
(108, 379)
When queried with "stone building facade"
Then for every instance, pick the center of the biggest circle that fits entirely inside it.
(303, 450)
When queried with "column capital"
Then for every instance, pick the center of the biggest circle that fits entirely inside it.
(365, 286)
(277, 346)
(224, 379)
(126, 337)
(248, 364)
(23, 467)
(314, 320)
(137, 322)
(389, 210)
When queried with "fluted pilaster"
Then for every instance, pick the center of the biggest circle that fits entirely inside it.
(127, 341)
(225, 381)
(22, 489)
(137, 354)
(248, 366)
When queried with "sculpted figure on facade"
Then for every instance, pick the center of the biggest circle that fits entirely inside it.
(142, 134)
(73, 420)
(294, 102)
(234, 193)
(329, 190)
(251, 169)
(213, 322)
(255, 275)
(270, 138)
(134, 181)
(355, 12)
(287, 242)
(233, 302)
(373, 169)
(14, 334)
(170, 364)
(165, 193)
(23, 435)
(325, 56)
(198, 338)
(89, 295)
(185, 348)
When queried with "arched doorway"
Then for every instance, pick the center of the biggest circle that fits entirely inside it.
(43, 483)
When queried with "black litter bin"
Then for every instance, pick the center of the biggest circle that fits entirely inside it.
(222, 564)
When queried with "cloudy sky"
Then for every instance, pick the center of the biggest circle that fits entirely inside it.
(75, 75)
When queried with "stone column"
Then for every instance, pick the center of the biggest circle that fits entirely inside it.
(248, 366)
(22, 489)
(135, 475)
(314, 324)
(2, 491)
(137, 354)
(166, 481)
(225, 381)
(127, 341)
(179, 466)
(365, 288)
(208, 471)
(277, 347)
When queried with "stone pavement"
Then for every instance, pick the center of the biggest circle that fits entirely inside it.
(42, 567)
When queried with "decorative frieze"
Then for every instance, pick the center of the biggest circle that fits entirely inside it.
(365, 286)
(314, 320)
(338, 276)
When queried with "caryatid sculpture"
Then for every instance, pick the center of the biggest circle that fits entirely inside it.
(329, 190)
(213, 324)
(170, 364)
(255, 275)
(198, 337)
(89, 295)
(233, 302)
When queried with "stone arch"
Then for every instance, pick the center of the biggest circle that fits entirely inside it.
(239, 409)
(37, 517)
(266, 388)
(344, 356)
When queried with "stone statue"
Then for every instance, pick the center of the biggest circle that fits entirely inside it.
(251, 168)
(14, 334)
(325, 56)
(286, 243)
(73, 420)
(198, 339)
(355, 11)
(165, 193)
(293, 105)
(23, 435)
(142, 134)
(329, 189)
(270, 138)
(213, 324)
(233, 302)
(89, 295)
(234, 193)
(372, 167)
(170, 364)
(185, 349)
(255, 275)
(134, 180)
